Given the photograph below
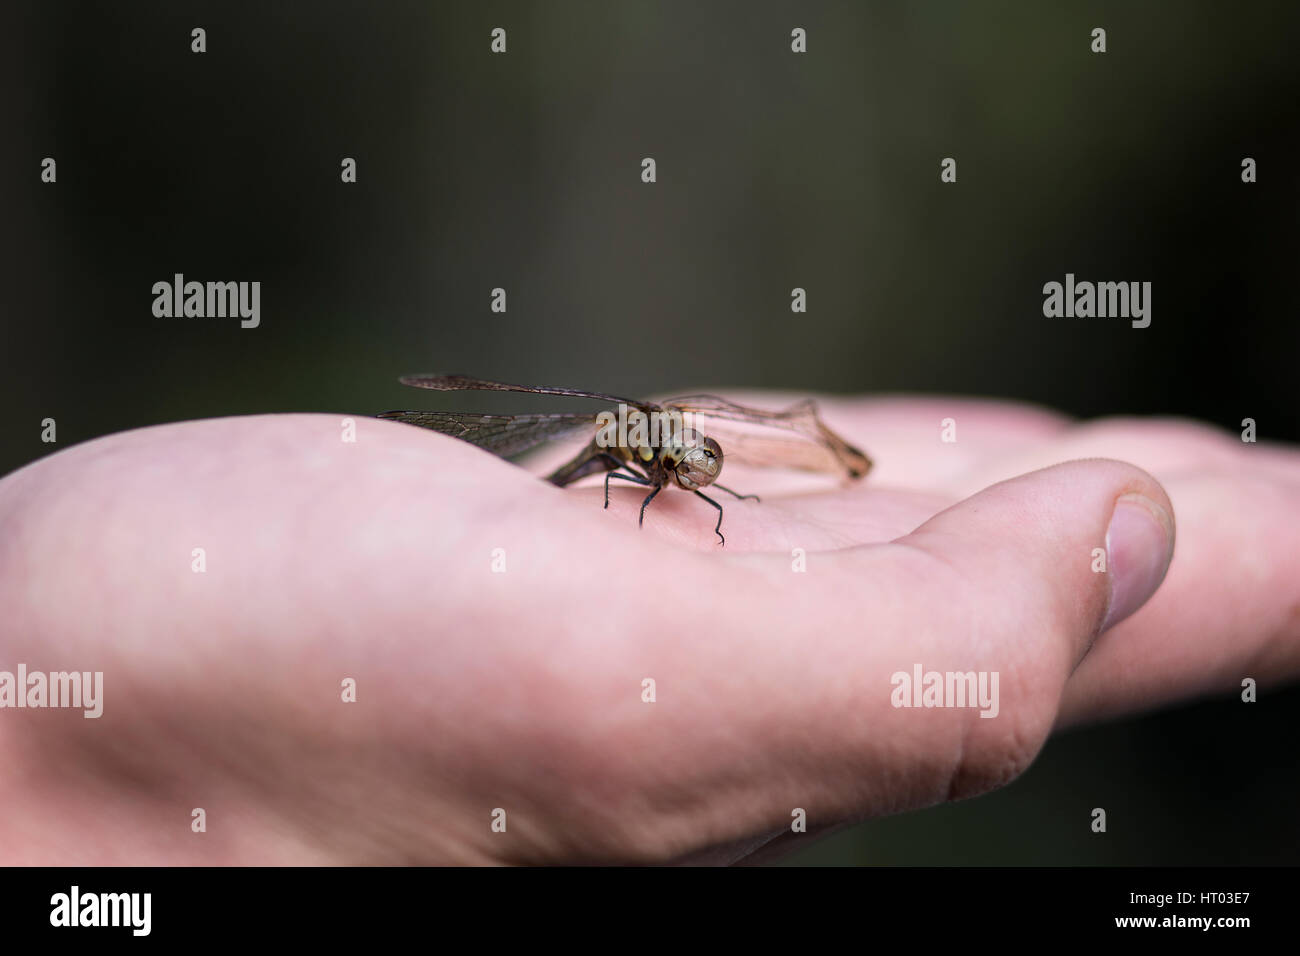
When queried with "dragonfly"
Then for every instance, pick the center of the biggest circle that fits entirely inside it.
(652, 444)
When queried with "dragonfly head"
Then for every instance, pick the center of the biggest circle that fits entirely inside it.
(698, 460)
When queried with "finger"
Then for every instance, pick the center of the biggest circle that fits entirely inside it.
(1046, 562)
(1077, 536)
(1230, 609)
(1167, 448)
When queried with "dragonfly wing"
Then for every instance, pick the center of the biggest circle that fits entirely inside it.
(812, 446)
(767, 451)
(504, 435)
(459, 383)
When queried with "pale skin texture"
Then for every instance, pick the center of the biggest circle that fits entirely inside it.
(523, 690)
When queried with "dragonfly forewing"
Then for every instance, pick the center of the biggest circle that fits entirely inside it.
(459, 383)
(504, 435)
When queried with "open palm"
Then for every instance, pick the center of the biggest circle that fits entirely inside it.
(523, 656)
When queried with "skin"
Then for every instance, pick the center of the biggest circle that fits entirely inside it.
(522, 690)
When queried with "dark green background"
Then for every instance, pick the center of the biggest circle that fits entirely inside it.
(775, 170)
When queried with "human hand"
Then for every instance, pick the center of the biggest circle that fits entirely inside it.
(522, 690)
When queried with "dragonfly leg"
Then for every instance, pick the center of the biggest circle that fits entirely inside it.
(717, 529)
(734, 495)
(618, 474)
(648, 498)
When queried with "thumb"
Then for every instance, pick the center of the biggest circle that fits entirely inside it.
(1028, 573)
(1076, 547)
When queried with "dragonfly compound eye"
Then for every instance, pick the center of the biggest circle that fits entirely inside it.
(700, 466)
